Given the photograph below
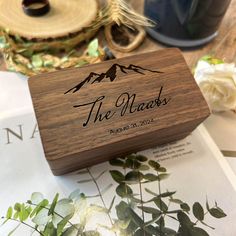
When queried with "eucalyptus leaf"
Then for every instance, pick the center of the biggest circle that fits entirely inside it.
(141, 158)
(41, 218)
(135, 217)
(93, 48)
(198, 211)
(133, 177)
(53, 205)
(39, 207)
(143, 167)
(167, 194)
(161, 169)
(163, 176)
(49, 230)
(62, 224)
(36, 198)
(185, 207)
(132, 164)
(150, 210)
(184, 219)
(160, 204)
(198, 232)
(177, 201)
(63, 209)
(72, 231)
(9, 213)
(217, 212)
(121, 211)
(37, 61)
(17, 207)
(123, 190)
(116, 162)
(75, 195)
(117, 176)
(154, 164)
(150, 177)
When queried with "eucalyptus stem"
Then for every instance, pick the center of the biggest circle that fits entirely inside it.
(28, 225)
(141, 198)
(100, 195)
(159, 189)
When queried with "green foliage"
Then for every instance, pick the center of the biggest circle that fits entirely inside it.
(134, 211)
(134, 215)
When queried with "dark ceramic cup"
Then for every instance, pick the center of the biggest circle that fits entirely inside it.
(185, 23)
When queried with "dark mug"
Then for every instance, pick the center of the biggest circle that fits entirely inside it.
(185, 23)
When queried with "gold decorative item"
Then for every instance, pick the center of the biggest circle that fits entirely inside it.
(123, 26)
(33, 45)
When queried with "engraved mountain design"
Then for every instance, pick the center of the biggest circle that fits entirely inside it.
(110, 74)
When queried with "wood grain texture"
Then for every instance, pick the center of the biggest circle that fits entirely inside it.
(141, 101)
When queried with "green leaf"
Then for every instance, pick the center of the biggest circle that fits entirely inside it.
(154, 164)
(144, 167)
(49, 230)
(73, 231)
(39, 207)
(117, 176)
(160, 204)
(37, 61)
(217, 212)
(150, 177)
(41, 218)
(150, 210)
(9, 213)
(167, 194)
(141, 158)
(185, 207)
(133, 177)
(54, 203)
(132, 163)
(75, 195)
(63, 208)
(116, 162)
(198, 232)
(161, 169)
(135, 218)
(123, 190)
(121, 211)
(177, 201)
(198, 211)
(93, 48)
(91, 233)
(36, 198)
(184, 219)
(17, 207)
(24, 213)
(61, 225)
(163, 176)
(211, 60)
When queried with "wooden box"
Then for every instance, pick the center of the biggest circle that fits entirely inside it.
(93, 113)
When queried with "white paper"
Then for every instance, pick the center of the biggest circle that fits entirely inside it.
(198, 170)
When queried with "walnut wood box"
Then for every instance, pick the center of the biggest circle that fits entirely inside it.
(91, 114)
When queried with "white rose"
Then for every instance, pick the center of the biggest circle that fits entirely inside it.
(218, 85)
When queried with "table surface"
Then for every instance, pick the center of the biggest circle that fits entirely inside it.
(223, 46)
